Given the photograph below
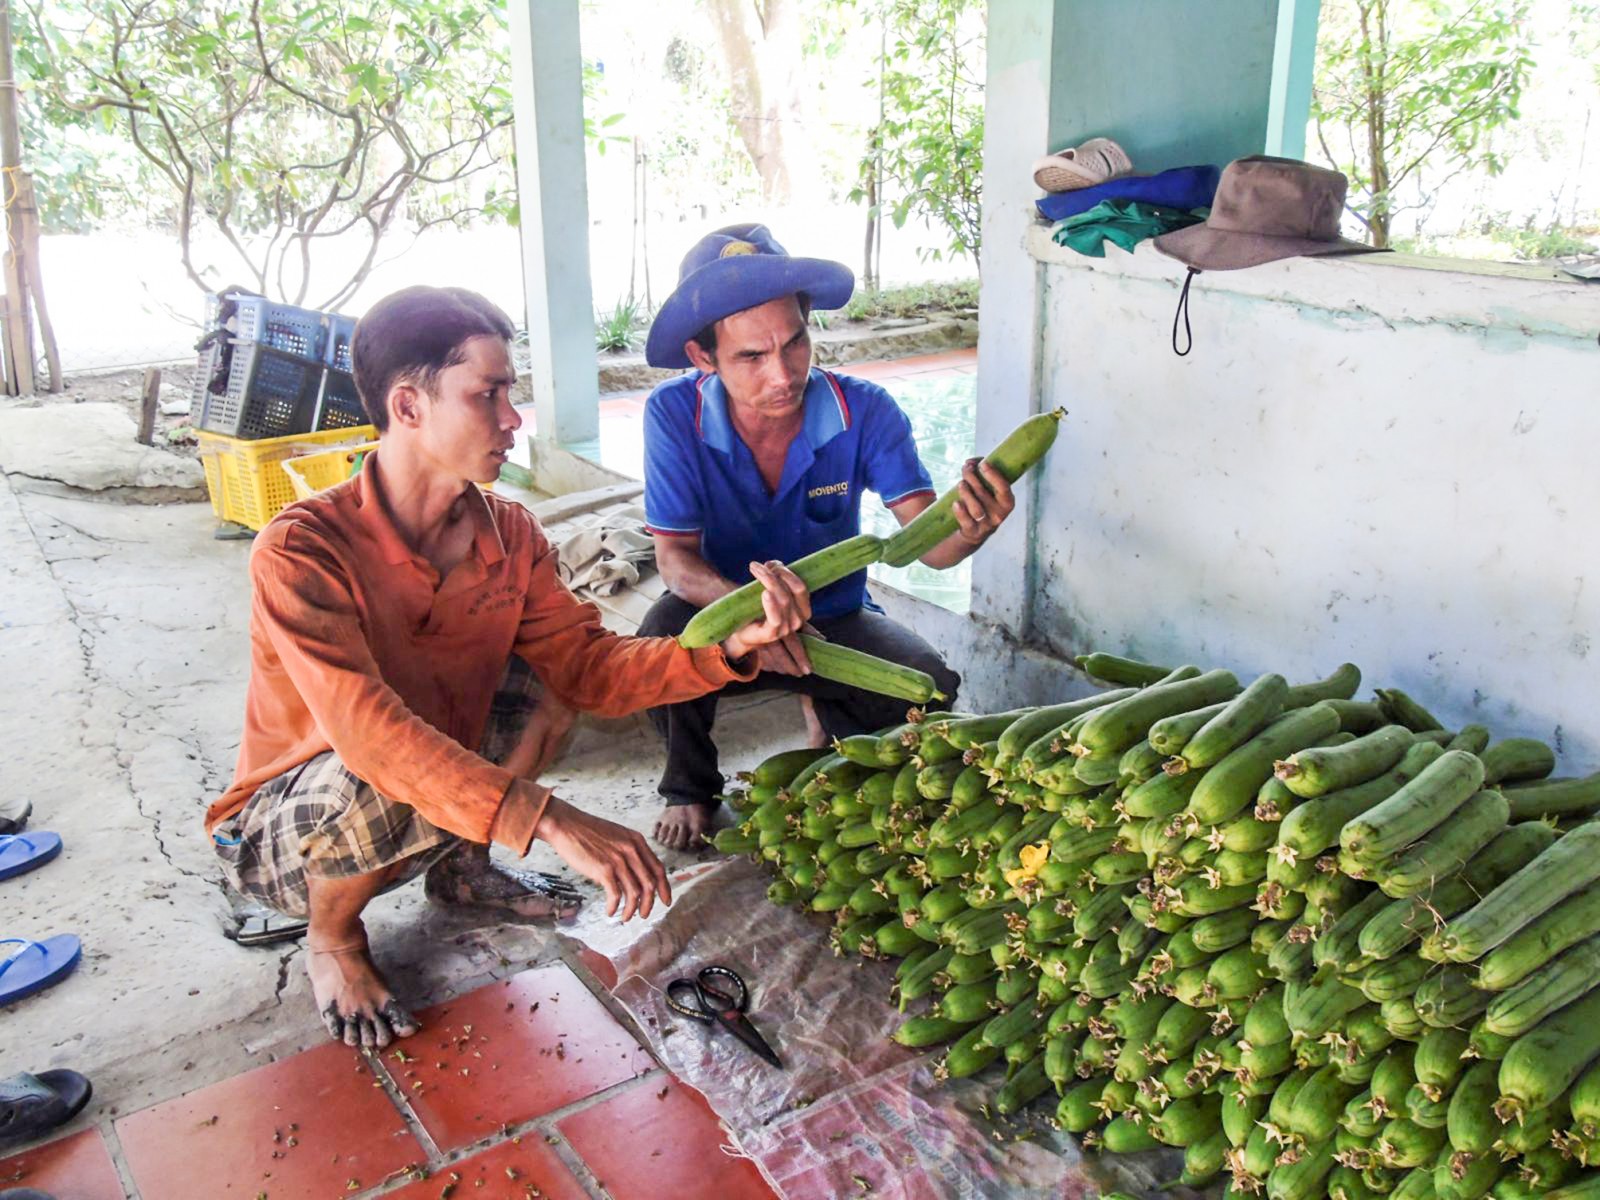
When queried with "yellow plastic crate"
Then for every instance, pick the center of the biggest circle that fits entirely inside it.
(310, 473)
(245, 476)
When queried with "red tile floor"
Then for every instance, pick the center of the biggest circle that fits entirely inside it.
(924, 366)
(528, 1087)
(78, 1166)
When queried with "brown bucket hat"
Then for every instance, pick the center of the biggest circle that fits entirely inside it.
(1265, 209)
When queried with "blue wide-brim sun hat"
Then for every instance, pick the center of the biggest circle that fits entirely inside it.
(729, 271)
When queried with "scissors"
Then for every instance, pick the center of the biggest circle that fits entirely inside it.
(701, 1000)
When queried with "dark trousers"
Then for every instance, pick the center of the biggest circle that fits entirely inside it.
(692, 777)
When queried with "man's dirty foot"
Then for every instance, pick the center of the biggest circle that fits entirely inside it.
(354, 1002)
(685, 826)
(470, 878)
(816, 736)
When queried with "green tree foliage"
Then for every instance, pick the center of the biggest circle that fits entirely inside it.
(1409, 92)
(928, 149)
(278, 125)
(1585, 34)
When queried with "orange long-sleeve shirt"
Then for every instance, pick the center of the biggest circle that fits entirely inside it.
(357, 646)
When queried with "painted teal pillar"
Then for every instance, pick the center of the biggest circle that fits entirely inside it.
(1293, 69)
(1174, 81)
(553, 197)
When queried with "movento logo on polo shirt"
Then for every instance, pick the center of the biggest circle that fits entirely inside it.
(832, 489)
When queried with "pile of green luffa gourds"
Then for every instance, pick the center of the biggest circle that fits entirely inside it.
(1322, 944)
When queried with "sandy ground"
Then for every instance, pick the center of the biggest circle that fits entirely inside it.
(123, 647)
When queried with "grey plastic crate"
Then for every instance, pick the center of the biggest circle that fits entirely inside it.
(251, 390)
(340, 330)
(274, 369)
(299, 331)
(340, 406)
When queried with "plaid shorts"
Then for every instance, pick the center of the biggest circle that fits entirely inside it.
(320, 819)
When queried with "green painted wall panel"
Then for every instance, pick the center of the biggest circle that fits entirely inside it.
(1174, 81)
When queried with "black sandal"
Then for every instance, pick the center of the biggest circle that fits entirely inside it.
(252, 924)
(14, 814)
(267, 930)
(34, 1104)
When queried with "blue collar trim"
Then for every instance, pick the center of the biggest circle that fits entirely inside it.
(827, 412)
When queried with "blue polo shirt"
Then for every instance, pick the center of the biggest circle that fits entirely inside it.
(701, 481)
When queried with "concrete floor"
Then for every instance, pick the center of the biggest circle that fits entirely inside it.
(123, 646)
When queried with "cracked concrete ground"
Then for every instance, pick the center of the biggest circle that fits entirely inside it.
(124, 650)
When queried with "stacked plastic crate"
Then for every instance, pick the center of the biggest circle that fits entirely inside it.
(274, 381)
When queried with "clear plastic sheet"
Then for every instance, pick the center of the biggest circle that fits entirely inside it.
(853, 1113)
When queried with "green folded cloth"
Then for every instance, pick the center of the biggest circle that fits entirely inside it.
(1125, 222)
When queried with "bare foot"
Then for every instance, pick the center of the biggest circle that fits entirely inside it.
(469, 877)
(684, 826)
(356, 1005)
(816, 736)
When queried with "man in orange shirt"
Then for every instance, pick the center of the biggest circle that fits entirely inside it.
(415, 662)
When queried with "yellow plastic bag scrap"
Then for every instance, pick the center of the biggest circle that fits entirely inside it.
(1033, 858)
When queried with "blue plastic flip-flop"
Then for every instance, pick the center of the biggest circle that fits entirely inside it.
(34, 966)
(22, 852)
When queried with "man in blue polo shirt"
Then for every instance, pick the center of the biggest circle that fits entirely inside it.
(757, 455)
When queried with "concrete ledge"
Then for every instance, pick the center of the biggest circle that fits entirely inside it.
(1516, 301)
(133, 494)
(91, 447)
(559, 472)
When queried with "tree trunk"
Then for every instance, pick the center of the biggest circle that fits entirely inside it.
(873, 168)
(761, 49)
(1375, 71)
(869, 277)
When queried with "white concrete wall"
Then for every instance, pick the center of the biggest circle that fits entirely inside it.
(1361, 460)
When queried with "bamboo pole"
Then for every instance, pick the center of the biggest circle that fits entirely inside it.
(41, 311)
(18, 345)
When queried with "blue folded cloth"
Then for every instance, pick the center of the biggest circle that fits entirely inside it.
(1181, 187)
